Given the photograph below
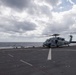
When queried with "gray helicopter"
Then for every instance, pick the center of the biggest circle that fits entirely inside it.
(57, 41)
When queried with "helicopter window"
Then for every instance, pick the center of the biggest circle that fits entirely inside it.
(60, 39)
(47, 40)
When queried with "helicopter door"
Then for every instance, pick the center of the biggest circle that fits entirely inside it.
(56, 43)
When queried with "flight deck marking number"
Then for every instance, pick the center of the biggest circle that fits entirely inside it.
(49, 55)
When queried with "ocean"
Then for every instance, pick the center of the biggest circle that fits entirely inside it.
(4, 45)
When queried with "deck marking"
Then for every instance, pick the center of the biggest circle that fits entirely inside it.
(10, 55)
(26, 62)
(49, 55)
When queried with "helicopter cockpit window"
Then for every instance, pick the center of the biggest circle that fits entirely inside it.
(60, 39)
(47, 40)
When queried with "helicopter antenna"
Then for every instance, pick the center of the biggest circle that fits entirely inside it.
(71, 37)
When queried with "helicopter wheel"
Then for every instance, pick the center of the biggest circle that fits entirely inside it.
(57, 46)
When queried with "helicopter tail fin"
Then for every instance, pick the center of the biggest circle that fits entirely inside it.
(70, 38)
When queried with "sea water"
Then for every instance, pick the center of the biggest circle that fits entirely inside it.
(4, 45)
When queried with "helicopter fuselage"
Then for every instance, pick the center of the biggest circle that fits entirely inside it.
(55, 42)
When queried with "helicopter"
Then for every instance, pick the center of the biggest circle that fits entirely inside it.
(57, 41)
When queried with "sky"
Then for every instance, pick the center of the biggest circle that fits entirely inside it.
(31, 20)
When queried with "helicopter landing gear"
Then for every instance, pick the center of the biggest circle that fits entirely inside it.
(57, 46)
(49, 46)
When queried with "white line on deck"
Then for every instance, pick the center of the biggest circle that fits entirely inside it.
(49, 55)
(10, 55)
(26, 62)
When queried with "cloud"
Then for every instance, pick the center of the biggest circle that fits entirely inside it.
(17, 27)
(53, 2)
(37, 17)
(71, 1)
(16, 4)
(62, 22)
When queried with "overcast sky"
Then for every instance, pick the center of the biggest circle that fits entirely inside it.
(30, 20)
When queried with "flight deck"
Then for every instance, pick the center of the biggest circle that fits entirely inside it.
(38, 61)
